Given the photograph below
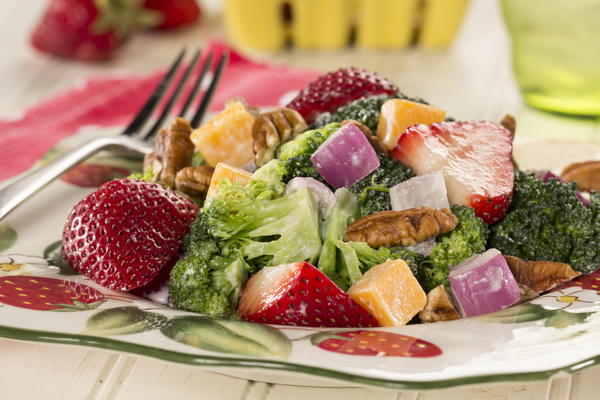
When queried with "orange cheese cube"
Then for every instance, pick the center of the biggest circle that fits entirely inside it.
(227, 137)
(390, 292)
(397, 115)
(232, 174)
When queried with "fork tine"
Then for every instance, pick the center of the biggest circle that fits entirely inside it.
(196, 85)
(146, 111)
(210, 91)
(167, 108)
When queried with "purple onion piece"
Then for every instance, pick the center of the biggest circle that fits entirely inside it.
(345, 157)
(483, 284)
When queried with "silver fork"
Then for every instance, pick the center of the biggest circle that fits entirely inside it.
(133, 138)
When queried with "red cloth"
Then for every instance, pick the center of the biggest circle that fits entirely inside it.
(112, 101)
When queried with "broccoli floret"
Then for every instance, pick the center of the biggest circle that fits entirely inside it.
(254, 220)
(147, 175)
(467, 239)
(306, 143)
(412, 258)
(301, 166)
(373, 190)
(365, 110)
(203, 280)
(546, 221)
(197, 160)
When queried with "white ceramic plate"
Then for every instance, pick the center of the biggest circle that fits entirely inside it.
(43, 303)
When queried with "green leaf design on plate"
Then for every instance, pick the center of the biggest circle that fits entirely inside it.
(522, 313)
(8, 236)
(123, 321)
(226, 336)
(563, 319)
(52, 254)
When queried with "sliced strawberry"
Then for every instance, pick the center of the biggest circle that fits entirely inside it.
(174, 13)
(299, 294)
(335, 89)
(124, 233)
(474, 157)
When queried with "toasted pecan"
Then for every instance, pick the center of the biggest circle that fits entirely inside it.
(439, 307)
(173, 151)
(194, 181)
(585, 174)
(406, 227)
(540, 276)
(272, 129)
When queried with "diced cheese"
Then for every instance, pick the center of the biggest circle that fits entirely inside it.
(224, 171)
(390, 292)
(398, 114)
(227, 137)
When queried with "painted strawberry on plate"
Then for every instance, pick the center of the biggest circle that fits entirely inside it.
(48, 294)
(374, 343)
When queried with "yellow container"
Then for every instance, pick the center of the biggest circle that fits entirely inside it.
(328, 24)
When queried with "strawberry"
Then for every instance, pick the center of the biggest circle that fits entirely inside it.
(474, 157)
(87, 29)
(335, 89)
(48, 294)
(299, 294)
(174, 13)
(124, 233)
(374, 343)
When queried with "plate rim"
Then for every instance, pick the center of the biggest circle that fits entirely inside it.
(202, 360)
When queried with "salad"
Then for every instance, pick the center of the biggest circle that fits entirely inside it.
(353, 206)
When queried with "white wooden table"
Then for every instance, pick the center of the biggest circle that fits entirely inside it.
(471, 80)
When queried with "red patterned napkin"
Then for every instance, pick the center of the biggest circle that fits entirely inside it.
(112, 101)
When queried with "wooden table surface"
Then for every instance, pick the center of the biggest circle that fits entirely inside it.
(473, 79)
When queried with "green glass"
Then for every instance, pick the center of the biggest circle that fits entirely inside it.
(556, 53)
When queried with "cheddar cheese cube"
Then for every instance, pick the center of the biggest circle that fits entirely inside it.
(232, 174)
(227, 137)
(390, 292)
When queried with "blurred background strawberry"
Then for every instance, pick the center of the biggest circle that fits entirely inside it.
(93, 29)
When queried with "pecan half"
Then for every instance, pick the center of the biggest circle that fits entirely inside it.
(406, 227)
(373, 139)
(272, 129)
(194, 181)
(173, 150)
(540, 276)
(585, 174)
(509, 122)
(439, 307)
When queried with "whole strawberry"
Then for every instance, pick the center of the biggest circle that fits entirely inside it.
(174, 13)
(124, 233)
(335, 89)
(87, 29)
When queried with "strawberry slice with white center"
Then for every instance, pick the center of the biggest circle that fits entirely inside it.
(474, 157)
(299, 294)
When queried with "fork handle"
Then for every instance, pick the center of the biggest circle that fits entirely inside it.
(17, 192)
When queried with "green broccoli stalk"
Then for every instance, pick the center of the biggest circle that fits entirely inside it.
(203, 280)
(546, 221)
(295, 154)
(467, 239)
(373, 190)
(343, 214)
